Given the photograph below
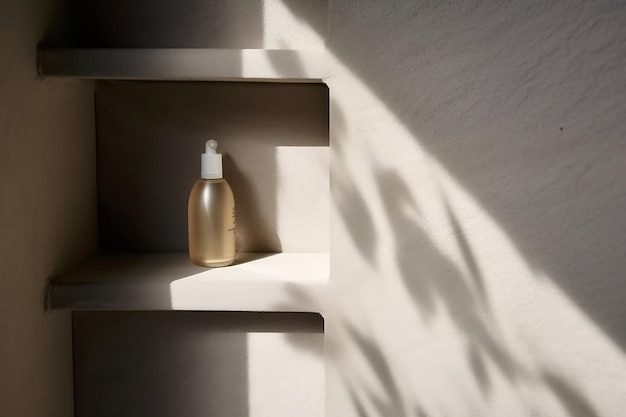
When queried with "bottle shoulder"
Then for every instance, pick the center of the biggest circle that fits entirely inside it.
(211, 181)
(212, 187)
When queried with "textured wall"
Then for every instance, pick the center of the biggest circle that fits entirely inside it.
(477, 244)
(479, 233)
(47, 213)
(198, 23)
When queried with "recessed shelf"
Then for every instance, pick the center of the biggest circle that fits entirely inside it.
(185, 64)
(169, 281)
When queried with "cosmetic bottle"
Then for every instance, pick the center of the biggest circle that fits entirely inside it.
(211, 214)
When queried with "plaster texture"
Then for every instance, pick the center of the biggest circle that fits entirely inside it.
(47, 213)
(477, 208)
(252, 24)
(478, 234)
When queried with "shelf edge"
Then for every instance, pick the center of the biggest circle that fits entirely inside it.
(261, 282)
(184, 64)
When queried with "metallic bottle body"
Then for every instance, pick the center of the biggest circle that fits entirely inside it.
(211, 222)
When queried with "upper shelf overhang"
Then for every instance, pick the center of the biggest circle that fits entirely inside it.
(185, 64)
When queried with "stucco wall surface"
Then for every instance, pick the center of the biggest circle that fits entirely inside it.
(477, 219)
(47, 213)
(268, 24)
(478, 233)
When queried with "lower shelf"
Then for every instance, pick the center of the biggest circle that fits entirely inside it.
(169, 281)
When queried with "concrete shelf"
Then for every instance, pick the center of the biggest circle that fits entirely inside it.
(169, 281)
(185, 64)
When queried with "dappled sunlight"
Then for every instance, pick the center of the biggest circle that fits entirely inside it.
(496, 328)
(459, 320)
(462, 233)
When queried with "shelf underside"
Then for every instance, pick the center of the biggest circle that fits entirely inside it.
(185, 64)
(169, 281)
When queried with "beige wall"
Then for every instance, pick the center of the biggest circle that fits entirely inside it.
(47, 213)
(477, 225)
(479, 230)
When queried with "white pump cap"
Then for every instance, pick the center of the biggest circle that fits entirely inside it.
(211, 162)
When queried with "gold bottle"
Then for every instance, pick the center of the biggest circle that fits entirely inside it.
(211, 214)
